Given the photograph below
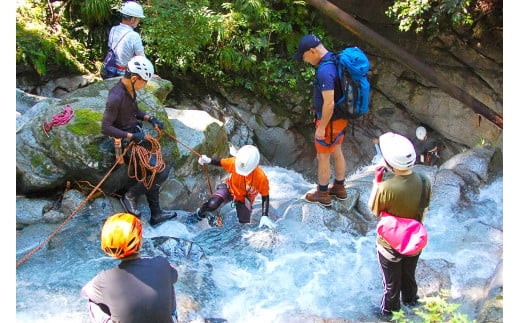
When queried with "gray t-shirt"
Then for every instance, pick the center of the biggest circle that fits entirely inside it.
(130, 46)
(138, 290)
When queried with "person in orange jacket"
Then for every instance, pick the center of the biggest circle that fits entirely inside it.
(247, 180)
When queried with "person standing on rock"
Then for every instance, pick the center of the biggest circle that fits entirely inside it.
(137, 289)
(124, 41)
(247, 180)
(426, 148)
(329, 133)
(401, 196)
(122, 119)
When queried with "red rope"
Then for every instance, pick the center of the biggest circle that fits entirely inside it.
(219, 220)
(73, 213)
(59, 119)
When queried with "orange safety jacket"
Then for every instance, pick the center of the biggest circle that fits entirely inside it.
(250, 185)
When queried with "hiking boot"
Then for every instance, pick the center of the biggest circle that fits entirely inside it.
(130, 204)
(338, 191)
(318, 196)
(162, 216)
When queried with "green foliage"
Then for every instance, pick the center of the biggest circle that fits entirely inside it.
(433, 16)
(435, 309)
(428, 14)
(39, 45)
(243, 43)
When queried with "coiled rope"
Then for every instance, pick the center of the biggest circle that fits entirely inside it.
(58, 119)
(145, 161)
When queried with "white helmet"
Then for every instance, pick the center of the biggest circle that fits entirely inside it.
(420, 133)
(397, 151)
(141, 66)
(132, 9)
(247, 159)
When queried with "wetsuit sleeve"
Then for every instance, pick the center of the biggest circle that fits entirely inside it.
(111, 111)
(215, 161)
(265, 205)
(93, 289)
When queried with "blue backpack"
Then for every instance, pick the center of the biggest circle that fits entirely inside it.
(353, 66)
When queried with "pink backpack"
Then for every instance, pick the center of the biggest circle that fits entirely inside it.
(406, 236)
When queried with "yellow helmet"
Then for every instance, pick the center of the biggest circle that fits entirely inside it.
(121, 235)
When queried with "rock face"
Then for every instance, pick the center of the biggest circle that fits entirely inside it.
(77, 149)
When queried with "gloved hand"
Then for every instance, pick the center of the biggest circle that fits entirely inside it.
(379, 174)
(265, 221)
(204, 160)
(138, 137)
(156, 123)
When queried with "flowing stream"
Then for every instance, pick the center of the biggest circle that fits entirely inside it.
(261, 275)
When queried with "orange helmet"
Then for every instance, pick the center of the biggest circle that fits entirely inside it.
(121, 235)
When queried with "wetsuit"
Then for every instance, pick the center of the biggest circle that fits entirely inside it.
(121, 116)
(425, 148)
(240, 189)
(138, 290)
(399, 196)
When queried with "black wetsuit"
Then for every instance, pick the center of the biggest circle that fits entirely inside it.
(138, 290)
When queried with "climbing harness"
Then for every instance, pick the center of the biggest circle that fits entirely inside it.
(58, 119)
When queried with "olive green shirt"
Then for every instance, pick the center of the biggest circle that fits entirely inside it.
(401, 197)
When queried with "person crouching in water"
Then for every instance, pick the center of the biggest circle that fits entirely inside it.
(136, 290)
(247, 180)
(401, 196)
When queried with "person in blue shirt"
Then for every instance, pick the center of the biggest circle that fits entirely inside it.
(329, 133)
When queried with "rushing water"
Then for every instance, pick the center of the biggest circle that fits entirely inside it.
(262, 275)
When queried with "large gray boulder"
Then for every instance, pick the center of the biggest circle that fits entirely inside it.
(78, 150)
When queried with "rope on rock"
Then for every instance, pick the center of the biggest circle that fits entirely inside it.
(73, 213)
(59, 119)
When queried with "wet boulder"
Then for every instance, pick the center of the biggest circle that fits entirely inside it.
(77, 150)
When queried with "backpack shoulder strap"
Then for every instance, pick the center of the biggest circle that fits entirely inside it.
(120, 39)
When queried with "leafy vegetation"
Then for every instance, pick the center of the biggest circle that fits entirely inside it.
(435, 309)
(246, 44)
(431, 17)
(243, 43)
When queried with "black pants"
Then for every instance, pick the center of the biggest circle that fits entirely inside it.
(398, 280)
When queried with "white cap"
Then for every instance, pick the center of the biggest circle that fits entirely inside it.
(247, 160)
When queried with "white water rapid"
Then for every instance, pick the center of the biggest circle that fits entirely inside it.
(299, 269)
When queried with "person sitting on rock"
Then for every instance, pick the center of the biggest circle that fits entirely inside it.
(137, 289)
(247, 180)
(121, 119)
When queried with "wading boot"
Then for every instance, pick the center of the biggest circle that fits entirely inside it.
(338, 191)
(318, 196)
(161, 216)
(130, 204)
